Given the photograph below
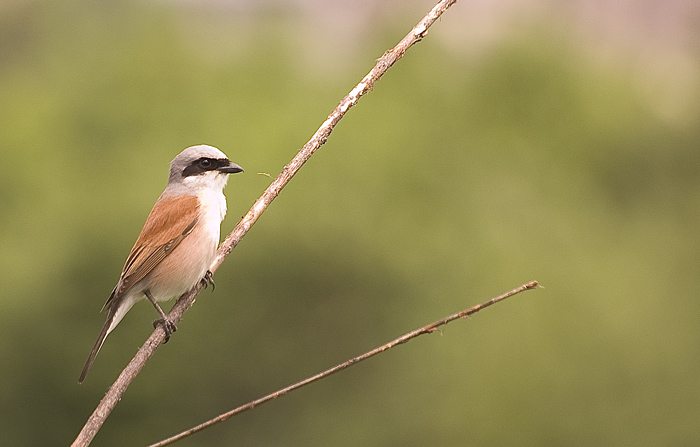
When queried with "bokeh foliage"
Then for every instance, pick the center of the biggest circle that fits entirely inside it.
(457, 178)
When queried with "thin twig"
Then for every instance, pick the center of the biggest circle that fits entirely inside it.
(113, 396)
(403, 339)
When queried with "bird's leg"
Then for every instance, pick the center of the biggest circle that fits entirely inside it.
(209, 279)
(168, 325)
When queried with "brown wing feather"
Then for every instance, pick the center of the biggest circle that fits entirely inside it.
(170, 221)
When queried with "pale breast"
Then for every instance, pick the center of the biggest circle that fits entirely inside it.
(213, 210)
(185, 266)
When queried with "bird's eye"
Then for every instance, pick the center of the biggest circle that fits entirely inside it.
(205, 163)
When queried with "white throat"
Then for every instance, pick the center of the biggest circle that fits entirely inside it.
(208, 187)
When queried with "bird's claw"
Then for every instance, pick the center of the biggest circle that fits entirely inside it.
(208, 279)
(168, 326)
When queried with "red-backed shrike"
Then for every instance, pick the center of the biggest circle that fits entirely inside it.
(178, 242)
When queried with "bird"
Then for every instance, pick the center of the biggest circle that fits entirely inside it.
(178, 242)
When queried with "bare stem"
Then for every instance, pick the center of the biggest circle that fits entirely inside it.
(427, 329)
(113, 396)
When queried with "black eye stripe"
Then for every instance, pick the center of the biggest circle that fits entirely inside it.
(204, 164)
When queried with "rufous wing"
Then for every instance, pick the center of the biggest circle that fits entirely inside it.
(171, 220)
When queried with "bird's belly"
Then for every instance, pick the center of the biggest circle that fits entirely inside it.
(185, 266)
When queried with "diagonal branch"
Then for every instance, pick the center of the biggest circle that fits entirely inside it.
(107, 404)
(403, 339)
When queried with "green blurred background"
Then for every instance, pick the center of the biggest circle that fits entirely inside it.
(520, 140)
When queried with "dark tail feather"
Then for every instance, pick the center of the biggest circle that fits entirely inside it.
(98, 345)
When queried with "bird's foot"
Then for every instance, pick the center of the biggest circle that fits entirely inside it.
(168, 326)
(208, 279)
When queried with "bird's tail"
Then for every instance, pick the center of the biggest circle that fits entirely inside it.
(106, 329)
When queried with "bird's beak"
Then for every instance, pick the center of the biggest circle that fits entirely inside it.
(230, 168)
